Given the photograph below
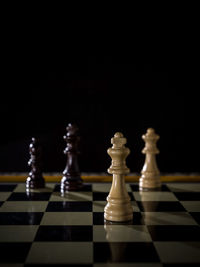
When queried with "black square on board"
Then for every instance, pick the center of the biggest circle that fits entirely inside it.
(195, 196)
(20, 218)
(98, 218)
(100, 196)
(71, 206)
(196, 216)
(57, 265)
(125, 252)
(29, 196)
(138, 218)
(160, 206)
(14, 252)
(174, 232)
(84, 188)
(180, 264)
(7, 187)
(64, 233)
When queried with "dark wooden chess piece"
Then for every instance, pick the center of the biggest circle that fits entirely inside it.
(71, 180)
(35, 178)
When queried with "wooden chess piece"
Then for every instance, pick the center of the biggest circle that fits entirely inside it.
(35, 178)
(150, 177)
(71, 180)
(119, 207)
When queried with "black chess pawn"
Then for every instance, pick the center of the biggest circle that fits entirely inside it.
(35, 178)
(71, 180)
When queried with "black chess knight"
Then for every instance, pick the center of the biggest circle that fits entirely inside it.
(71, 179)
(35, 178)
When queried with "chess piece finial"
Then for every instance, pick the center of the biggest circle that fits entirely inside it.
(118, 152)
(71, 179)
(35, 179)
(119, 206)
(150, 177)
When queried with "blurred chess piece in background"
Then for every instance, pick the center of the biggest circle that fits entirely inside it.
(71, 180)
(150, 177)
(35, 178)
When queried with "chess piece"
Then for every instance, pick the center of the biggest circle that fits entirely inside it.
(119, 206)
(150, 177)
(71, 179)
(35, 179)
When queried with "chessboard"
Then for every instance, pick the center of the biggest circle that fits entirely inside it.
(45, 227)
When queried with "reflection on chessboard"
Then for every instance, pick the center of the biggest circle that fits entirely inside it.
(43, 226)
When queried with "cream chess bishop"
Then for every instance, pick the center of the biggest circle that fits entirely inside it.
(150, 173)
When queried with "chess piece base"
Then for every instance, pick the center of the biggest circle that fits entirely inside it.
(71, 184)
(118, 218)
(35, 183)
(118, 210)
(150, 181)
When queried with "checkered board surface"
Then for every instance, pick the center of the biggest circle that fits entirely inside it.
(43, 227)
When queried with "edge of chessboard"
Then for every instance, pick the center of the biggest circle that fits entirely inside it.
(101, 178)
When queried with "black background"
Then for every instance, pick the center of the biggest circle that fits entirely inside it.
(102, 95)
